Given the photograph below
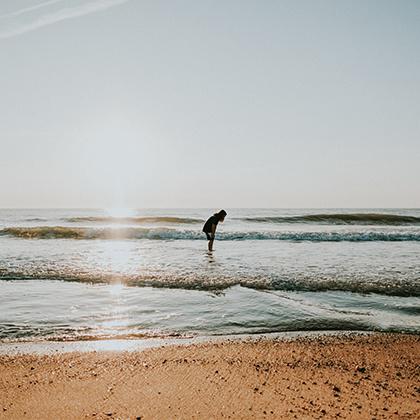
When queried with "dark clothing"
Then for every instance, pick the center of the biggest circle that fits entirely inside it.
(213, 220)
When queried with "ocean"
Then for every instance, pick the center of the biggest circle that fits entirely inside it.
(69, 275)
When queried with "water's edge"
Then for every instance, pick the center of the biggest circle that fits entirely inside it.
(50, 348)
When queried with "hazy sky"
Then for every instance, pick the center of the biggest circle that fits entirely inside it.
(132, 103)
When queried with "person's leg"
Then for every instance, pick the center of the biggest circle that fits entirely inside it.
(210, 238)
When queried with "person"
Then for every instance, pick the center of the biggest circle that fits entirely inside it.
(210, 226)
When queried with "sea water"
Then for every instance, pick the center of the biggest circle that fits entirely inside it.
(94, 274)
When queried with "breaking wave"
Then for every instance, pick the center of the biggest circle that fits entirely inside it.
(218, 283)
(341, 219)
(62, 232)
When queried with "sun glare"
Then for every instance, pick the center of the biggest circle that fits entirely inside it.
(120, 212)
(116, 289)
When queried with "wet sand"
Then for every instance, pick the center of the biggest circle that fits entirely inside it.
(357, 376)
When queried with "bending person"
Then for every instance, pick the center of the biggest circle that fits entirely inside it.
(210, 226)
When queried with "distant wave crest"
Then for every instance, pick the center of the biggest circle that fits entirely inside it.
(341, 219)
(133, 220)
(62, 232)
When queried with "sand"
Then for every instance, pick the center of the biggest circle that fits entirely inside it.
(355, 377)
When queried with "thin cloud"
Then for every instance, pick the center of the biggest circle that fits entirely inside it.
(15, 28)
(30, 9)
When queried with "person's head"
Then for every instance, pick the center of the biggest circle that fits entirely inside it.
(221, 215)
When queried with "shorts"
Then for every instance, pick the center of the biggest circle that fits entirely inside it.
(209, 236)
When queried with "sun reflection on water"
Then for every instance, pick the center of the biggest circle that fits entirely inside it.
(116, 289)
(116, 257)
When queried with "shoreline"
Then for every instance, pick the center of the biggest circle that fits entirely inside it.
(324, 376)
(45, 347)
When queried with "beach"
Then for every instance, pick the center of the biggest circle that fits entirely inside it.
(298, 313)
(209, 210)
(337, 376)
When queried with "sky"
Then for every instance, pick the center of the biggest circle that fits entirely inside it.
(186, 103)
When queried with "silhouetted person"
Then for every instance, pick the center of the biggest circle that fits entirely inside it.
(210, 226)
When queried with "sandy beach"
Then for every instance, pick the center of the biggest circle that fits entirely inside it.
(356, 376)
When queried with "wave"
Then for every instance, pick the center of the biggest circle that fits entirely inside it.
(134, 220)
(17, 334)
(341, 219)
(220, 282)
(25, 333)
(62, 232)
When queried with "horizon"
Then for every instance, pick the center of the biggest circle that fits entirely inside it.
(209, 208)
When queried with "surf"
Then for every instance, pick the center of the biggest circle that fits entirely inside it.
(163, 233)
(218, 283)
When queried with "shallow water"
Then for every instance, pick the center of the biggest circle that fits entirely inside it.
(83, 274)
